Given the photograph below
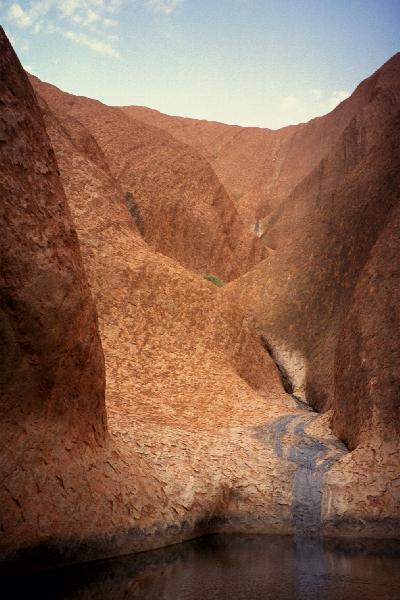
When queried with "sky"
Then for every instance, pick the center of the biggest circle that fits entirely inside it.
(263, 63)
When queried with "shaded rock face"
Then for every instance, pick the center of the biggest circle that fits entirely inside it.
(366, 407)
(323, 233)
(52, 365)
(63, 477)
(366, 403)
(52, 362)
(185, 212)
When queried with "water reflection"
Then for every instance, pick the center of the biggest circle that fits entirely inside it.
(230, 567)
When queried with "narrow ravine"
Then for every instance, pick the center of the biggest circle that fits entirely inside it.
(312, 456)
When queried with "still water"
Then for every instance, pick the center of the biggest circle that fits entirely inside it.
(230, 567)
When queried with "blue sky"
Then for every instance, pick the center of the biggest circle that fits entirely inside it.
(266, 63)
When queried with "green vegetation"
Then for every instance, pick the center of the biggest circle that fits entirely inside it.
(214, 279)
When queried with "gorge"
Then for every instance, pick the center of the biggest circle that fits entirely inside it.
(142, 405)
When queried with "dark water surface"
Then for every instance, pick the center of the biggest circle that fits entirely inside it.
(229, 567)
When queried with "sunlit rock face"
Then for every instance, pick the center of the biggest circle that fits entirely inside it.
(202, 427)
(324, 194)
(319, 194)
(187, 385)
(174, 196)
(259, 167)
(161, 378)
(186, 382)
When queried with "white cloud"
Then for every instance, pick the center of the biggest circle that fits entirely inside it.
(17, 15)
(92, 43)
(90, 20)
(289, 102)
(316, 93)
(91, 16)
(337, 97)
(109, 22)
(115, 5)
(86, 18)
(167, 7)
(304, 104)
(69, 7)
(30, 17)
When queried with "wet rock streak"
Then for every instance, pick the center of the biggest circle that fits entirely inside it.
(312, 457)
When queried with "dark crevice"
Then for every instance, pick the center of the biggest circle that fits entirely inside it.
(134, 212)
(285, 377)
(302, 404)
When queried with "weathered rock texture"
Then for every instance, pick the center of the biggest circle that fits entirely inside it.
(317, 194)
(174, 196)
(52, 363)
(320, 195)
(186, 382)
(326, 298)
(187, 386)
(200, 434)
(366, 405)
(322, 234)
(367, 366)
(259, 167)
(61, 478)
(333, 251)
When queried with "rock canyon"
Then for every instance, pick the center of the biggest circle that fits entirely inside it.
(142, 405)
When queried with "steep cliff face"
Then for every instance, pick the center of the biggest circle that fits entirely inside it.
(201, 435)
(328, 299)
(171, 342)
(52, 374)
(174, 195)
(119, 264)
(52, 363)
(260, 167)
(69, 486)
(322, 235)
(366, 393)
(366, 404)
(186, 383)
(63, 478)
